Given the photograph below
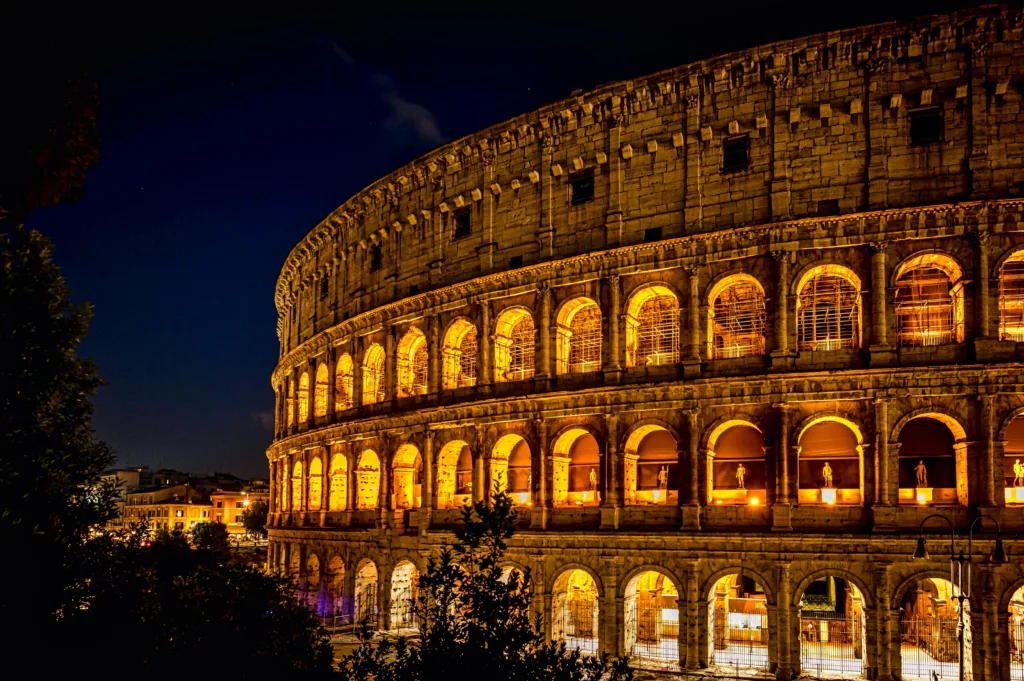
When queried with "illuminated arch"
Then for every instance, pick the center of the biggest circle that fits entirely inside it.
(737, 632)
(736, 317)
(937, 442)
(651, 465)
(651, 617)
(575, 610)
(830, 461)
(511, 468)
(407, 467)
(365, 592)
(296, 495)
(733, 443)
(315, 490)
(304, 397)
(335, 578)
(576, 468)
(367, 480)
(1011, 297)
(929, 300)
(448, 483)
(320, 391)
(1011, 434)
(404, 587)
(459, 355)
(652, 327)
(339, 482)
(828, 309)
(290, 401)
(343, 377)
(578, 325)
(373, 374)
(412, 363)
(313, 582)
(514, 345)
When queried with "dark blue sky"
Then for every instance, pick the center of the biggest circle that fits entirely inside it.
(226, 138)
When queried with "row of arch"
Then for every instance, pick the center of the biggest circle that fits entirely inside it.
(831, 609)
(929, 307)
(931, 462)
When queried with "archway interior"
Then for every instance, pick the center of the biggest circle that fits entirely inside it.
(575, 611)
(578, 348)
(652, 328)
(403, 596)
(929, 301)
(652, 619)
(652, 468)
(408, 477)
(929, 626)
(454, 472)
(1016, 638)
(832, 629)
(365, 594)
(576, 480)
(1013, 461)
(312, 586)
(738, 470)
(738, 625)
(335, 587)
(315, 490)
(829, 466)
(927, 463)
(296, 496)
(459, 355)
(339, 481)
(367, 480)
(511, 469)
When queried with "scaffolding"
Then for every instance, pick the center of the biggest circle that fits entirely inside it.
(1011, 299)
(829, 314)
(467, 360)
(657, 333)
(343, 383)
(514, 354)
(926, 308)
(320, 391)
(737, 321)
(585, 341)
(373, 375)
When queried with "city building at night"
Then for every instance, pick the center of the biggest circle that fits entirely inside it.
(729, 334)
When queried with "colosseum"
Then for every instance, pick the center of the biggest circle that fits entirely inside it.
(733, 336)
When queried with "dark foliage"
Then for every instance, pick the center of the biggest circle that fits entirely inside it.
(254, 520)
(212, 539)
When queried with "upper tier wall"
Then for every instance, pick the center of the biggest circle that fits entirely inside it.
(827, 120)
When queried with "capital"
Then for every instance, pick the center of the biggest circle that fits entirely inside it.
(780, 255)
(879, 246)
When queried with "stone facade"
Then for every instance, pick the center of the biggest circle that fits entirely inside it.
(856, 158)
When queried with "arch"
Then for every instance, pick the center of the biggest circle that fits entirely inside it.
(828, 309)
(576, 465)
(412, 363)
(335, 581)
(304, 397)
(578, 347)
(515, 342)
(737, 615)
(313, 584)
(736, 317)
(365, 592)
(652, 326)
(1011, 434)
(830, 461)
(833, 615)
(367, 480)
(290, 401)
(296, 496)
(737, 464)
(511, 468)
(575, 609)
(958, 431)
(932, 459)
(459, 355)
(320, 391)
(929, 627)
(338, 500)
(343, 378)
(744, 571)
(373, 374)
(314, 493)
(835, 571)
(1011, 296)
(404, 588)
(651, 465)
(929, 300)
(407, 474)
(448, 483)
(651, 617)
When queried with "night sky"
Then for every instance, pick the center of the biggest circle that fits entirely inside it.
(226, 138)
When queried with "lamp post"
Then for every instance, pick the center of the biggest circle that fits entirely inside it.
(961, 588)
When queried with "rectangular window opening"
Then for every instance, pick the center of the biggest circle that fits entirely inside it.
(652, 234)
(515, 262)
(735, 154)
(463, 223)
(375, 258)
(828, 207)
(583, 187)
(324, 287)
(925, 126)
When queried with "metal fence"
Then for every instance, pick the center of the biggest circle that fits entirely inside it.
(656, 635)
(831, 644)
(1016, 650)
(575, 623)
(930, 648)
(404, 616)
(738, 637)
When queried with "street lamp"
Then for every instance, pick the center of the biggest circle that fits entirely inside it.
(961, 588)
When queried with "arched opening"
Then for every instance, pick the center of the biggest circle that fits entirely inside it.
(832, 629)
(449, 492)
(404, 585)
(367, 480)
(304, 397)
(412, 363)
(736, 316)
(652, 327)
(651, 467)
(315, 490)
(365, 610)
(373, 375)
(579, 337)
(296, 498)
(576, 466)
(339, 482)
(407, 478)
(575, 611)
(295, 570)
(335, 588)
(458, 356)
(511, 469)
(1013, 461)
(512, 575)
(1011, 298)
(514, 345)
(320, 391)
(343, 383)
(829, 467)
(313, 599)
(652, 620)
(290, 402)
(738, 469)
(929, 301)
(828, 309)
(1016, 638)
(738, 626)
(932, 464)
(929, 631)
(464, 477)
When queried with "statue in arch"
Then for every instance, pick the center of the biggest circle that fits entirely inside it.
(922, 474)
(663, 478)
(827, 473)
(593, 478)
(1018, 473)
(741, 472)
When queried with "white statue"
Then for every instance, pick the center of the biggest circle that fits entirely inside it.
(922, 474)
(827, 472)
(741, 472)
(1018, 474)
(593, 478)
(663, 477)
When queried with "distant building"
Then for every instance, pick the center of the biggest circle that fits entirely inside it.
(176, 507)
(133, 479)
(229, 505)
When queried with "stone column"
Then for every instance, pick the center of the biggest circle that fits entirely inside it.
(692, 615)
(611, 502)
(384, 493)
(887, 647)
(350, 484)
(982, 302)
(295, 400)
(391, 364)
(690, 475)
(884, 513)
(613, 341)
(485, 341)
(542, 512)
(992, 477)
(782, 509)
(277, 413)
(880, 349)
(783, 634)
(275, 491)
(427, 492)
(434, 353)
(543, 371)
(780, 356)
(480, 490)
(357, 377)
(691, 353)
(331, 357)
(613, 218)
(609, 635)
(310, 394)
(304, 488)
